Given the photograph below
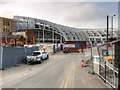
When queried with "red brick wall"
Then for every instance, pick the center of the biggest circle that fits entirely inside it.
(30, 36)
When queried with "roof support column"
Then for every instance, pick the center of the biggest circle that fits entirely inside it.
(53, 35)
(60, 39)
(38, 37)
(43, 33)
(18, 23)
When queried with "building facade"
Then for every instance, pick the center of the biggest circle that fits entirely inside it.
(41, 31)
(6, 29)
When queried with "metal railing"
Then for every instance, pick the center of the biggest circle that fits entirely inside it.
(108, 70)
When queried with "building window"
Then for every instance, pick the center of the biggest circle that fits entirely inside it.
(8, 30)
(36, 26)
(4, 30)
(4, 22)
(74, 38)
(8, 23)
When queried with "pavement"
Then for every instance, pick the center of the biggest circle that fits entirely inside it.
(59, 71)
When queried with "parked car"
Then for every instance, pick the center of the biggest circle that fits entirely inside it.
(37, 56)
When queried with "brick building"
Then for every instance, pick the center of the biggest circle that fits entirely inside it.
(6, 28)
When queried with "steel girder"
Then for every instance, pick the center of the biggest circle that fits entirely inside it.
(68, 33)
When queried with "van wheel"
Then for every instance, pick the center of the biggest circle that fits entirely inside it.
(31, 63)
(40, 61)
(25, 62)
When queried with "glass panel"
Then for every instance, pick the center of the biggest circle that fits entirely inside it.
(36, 53)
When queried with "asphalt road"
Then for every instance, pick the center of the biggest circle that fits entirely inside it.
(59, 71)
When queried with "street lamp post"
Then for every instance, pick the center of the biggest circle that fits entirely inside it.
(107, 30)
(112, 26)
(107, 42)
(107, 36)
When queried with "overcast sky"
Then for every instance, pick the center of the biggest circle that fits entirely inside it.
(75, 14)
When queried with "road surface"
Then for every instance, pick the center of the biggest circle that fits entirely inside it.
(59, 71)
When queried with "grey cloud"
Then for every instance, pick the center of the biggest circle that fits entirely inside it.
(84, 13)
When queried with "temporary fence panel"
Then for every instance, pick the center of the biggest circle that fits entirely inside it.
(1, 56)
(56, 48)
(20, 55)
(95, 59)
(29, 51)
(14, 56)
